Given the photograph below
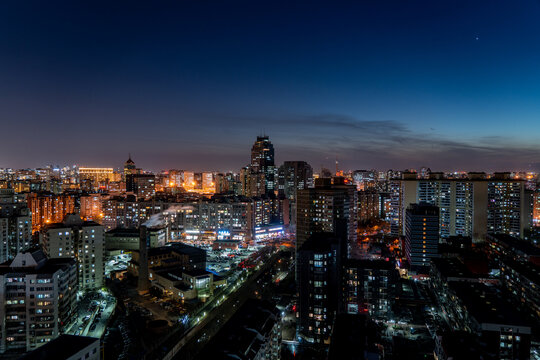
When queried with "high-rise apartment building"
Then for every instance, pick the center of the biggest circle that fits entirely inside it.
(37, 300)
(331, 206)
(49, 208)
(421, 234)
(82, 240)
(319, 283)
(189, 180)
(471, 206)
(91, 207)
(369, 205)
(144, 185)
(208, 185)
(536, 208)
(369, 286)
(15, 225)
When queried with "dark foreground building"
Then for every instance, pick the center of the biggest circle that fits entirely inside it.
(319, 283)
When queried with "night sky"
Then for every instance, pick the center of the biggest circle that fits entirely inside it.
(189, 85)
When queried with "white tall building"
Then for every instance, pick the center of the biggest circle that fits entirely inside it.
(37, 300)
(472, 206)
(82, 240)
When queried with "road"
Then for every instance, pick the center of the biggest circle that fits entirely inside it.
(186, 346)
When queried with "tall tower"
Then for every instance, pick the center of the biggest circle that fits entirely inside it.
(262, 163)
(129, 170)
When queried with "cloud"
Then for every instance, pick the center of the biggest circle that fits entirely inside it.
(384, 144)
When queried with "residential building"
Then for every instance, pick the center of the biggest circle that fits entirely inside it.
(82, 240)
(472, 206)
(369, 286)
(328, 207)
(15, 225)
(49, 208)
(421, 234)
(319, 284)
(37, 300)
(144, 185)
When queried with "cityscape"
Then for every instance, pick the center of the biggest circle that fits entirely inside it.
(270, 181)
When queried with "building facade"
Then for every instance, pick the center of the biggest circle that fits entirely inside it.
(82, 240)
(421, 234)
(37, 300)
(15, 225)
(472, 206)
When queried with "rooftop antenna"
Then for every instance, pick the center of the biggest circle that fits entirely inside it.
(337, 169)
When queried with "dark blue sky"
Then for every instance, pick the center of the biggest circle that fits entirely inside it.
(379, 84)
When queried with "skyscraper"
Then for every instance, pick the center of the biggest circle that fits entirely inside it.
(129, 170)
(294, 176)
(262, 162)
(421, 234)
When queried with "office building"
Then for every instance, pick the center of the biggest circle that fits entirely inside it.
(129, 170)
(319, 284)
(421, 234)
(262, 163)
(37, 300)
(82, 240)
(15, 225)
(98, 176)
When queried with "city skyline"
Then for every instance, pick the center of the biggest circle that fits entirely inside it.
(448, 85)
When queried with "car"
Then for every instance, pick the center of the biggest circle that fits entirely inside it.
(93, 327)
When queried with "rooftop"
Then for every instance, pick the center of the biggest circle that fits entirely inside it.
(452, 268)
(61, 348)
(487, 304)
